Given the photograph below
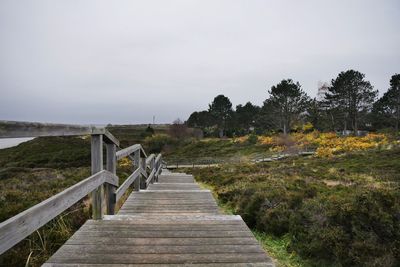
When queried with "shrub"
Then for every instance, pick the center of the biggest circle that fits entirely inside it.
(156, 143)
(252, 139)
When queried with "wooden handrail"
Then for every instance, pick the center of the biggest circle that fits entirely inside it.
(16, 129)
(126, 152)
(125, 185)
(25, 223)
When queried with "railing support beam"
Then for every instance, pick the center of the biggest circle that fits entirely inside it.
(97, 165)
(142, 178)
(111, 166)
(136, 165)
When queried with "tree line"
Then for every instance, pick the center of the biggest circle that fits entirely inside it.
(348, 104)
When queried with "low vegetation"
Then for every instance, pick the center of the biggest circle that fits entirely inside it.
(338, 207)
(253, 147)
(333, 211)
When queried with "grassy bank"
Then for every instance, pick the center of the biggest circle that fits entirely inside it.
(336, 211)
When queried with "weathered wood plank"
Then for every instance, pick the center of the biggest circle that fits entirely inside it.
(150, 178)
(15, 129)
(144, 241)
(163, 234)
(111, 166)
(127, 151)
(126, 249)
(125, 185)
(159, 258)
(136, 164)
(170, 224)
(149, 159)
(247, 264)
(96, 166)
(20, 226)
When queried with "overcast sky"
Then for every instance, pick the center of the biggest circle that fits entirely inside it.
(125, 61)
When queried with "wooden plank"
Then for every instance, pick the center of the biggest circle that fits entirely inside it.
(125, 185)
(159, 258)
(111, 166)
(247, 264)
(144, 241)
(149, 159)
(171, 227)
(25, 223)
(150, 178)
(14, 129)
(163, 226)
(163, 234)
(127, 151)
(143, 177)
(158, 158)
(96, 166)
(136, 163)
(126, 249)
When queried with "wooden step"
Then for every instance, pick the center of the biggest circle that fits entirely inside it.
(173, 223)
(210, 240)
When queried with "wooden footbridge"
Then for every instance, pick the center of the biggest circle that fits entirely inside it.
(168, 220)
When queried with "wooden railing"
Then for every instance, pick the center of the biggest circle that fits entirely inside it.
(103, 185)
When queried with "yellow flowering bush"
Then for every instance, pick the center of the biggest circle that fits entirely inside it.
(324, 144)
(328, 147)
(124, 162)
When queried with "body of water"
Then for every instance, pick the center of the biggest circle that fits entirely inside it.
(10, 142)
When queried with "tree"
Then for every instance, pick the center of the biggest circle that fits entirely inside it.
(387, 108)
(246, 115)
(221, 111)
(201, 119)
(352, 95)
(286, 103)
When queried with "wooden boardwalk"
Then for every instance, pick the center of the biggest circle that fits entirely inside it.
(172, 223)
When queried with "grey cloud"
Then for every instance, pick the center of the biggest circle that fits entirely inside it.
(125, 61)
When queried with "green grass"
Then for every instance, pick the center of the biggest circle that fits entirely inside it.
(278, 249)
(214, 151)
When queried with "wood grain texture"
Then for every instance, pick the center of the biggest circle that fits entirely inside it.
(16, 129)
(125, 185)
(97, 165)
(173, 223)
(20, 226)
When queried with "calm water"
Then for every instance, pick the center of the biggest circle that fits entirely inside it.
(10, 142)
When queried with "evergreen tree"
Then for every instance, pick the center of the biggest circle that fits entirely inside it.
(387, 108)
(221, 111)
(352, 95)
(246, 116)
(286, 103)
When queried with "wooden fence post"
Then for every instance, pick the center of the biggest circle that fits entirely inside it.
(152, 166)
(142, 177)
(111, 166)
(136, 164)
(97, 165)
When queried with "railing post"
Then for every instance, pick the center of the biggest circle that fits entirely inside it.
(111, 166)
(152, 166)
(136, 164)
(142, 177)
(97, 165)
